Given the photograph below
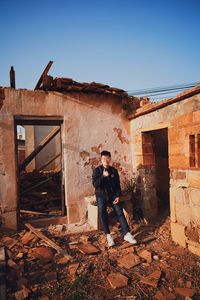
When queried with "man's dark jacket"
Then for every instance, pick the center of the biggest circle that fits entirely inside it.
(106, 186)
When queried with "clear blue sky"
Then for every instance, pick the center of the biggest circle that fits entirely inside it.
(130, 44)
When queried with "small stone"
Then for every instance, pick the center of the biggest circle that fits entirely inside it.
(117, 280)
(156, 257)
(20, 255)
(152, 279)
(129, 261)
(185, 292)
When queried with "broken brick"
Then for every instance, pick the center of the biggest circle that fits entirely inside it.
(185, 292)
(117, 280)
(62, 261)
(152, 279)
(129, 260)
(27, 237)
(43, 253)
(145, 255)
(73, 268)
(87, 249)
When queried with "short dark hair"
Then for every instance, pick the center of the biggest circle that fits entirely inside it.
(105, 153)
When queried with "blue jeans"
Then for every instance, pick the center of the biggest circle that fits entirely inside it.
(102, 205)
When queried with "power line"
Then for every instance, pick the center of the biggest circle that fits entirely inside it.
(165, 90)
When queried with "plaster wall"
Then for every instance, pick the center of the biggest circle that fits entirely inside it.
(91, 123)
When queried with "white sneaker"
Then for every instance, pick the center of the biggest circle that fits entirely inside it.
(110, 240)
(129, 238)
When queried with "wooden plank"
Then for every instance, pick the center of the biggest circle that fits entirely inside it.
(46, 70)
(41, 145)
(48, 241)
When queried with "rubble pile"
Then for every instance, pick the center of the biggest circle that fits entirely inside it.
(57, 263)
(40, 194)
(70, 85)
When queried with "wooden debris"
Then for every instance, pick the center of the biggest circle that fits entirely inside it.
(9, 242)
(48, 241)
(46, 70)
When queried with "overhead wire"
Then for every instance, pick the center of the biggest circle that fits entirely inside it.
(160, 90)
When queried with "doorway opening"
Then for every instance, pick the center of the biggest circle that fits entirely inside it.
(39, 160)
(155, 154)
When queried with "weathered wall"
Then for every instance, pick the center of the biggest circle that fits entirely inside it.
(182, 119)
(91, 123)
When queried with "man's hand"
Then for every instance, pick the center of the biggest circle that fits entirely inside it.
(116, 200)
(105, 173)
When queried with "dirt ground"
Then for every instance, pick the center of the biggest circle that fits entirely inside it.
(154, 268)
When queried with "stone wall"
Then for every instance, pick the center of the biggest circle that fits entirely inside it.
(91, 123)
(182, 119)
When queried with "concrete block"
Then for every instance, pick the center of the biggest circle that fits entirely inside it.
(178, 234)
(93, 216)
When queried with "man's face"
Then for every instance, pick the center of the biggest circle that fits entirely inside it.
(105, 161)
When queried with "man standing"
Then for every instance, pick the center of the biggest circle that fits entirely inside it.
(106, 181)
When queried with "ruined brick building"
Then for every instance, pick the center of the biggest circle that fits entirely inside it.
(158, 142)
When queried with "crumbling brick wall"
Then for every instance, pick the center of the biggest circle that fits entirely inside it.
(182, 119)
